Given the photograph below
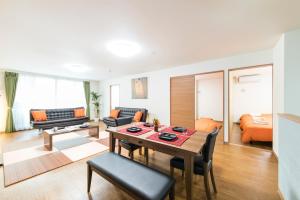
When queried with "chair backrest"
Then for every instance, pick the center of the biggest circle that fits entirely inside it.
(209, 146)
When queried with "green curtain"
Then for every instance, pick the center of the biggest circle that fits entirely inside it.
(11, 80)
(87, 92)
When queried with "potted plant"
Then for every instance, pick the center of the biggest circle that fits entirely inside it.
(156, 124)
(96, 102)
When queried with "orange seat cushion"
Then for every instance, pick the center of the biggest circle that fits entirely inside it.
(114, 113)
(39, 115)
(79, 112)
(138, 116)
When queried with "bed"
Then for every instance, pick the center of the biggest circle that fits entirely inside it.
(256, 128)
(207, 125)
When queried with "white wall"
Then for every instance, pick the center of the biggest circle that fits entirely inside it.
(278, 83)
(210, 96)
(252, 97)
(3, 106)
(158, 102)
(289, 162)
(289, 131)
(292, 72)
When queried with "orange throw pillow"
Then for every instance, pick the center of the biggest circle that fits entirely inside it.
(114, 113)
(79, 112)
(39, 115)
(138, 116)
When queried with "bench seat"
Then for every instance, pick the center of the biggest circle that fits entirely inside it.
(139, 181)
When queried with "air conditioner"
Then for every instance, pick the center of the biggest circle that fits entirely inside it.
(251, 78)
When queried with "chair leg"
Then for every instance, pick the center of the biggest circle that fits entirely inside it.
(89, 178)
(131, 155)
(171, 171)
(119, 149)
(172, 193)
(213, 179)
(206, 182)
(146, 155)
(140, 151)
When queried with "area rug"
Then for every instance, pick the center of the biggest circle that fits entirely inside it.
(27, 162)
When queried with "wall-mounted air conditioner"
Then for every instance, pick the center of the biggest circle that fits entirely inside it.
(251, 78)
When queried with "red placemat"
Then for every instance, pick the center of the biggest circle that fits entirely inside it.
(178, 142)
(151, 127)
(189, 132)
(143, 131)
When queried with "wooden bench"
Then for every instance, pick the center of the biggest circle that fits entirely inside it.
(139, 181)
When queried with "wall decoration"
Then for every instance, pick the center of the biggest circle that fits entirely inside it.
(139, 88)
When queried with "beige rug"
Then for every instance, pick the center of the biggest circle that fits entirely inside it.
(27, 162)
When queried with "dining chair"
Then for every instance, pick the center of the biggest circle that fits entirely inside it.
(131, 148)
(203, 163)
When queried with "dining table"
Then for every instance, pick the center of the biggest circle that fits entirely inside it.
(187, 150)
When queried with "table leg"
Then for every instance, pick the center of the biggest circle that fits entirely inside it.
(97, 135)
(146, 152)
(92, 132)
(47, 141)
(112, 143)
(189, 171)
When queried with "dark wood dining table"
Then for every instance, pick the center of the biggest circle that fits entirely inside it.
(187, 150)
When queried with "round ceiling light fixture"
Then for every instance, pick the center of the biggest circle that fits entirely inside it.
(123, 48)
(77, 68)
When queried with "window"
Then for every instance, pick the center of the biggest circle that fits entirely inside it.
(38, 92)
(114, 96)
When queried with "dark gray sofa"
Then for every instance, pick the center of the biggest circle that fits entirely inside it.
(125, 116)
(58, 118)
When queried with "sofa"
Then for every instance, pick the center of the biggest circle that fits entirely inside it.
(57, 118)
(125, 116)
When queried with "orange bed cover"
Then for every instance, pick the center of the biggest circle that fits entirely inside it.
(252, 131)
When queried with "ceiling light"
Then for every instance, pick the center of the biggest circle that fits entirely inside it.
(123, 48)
(77, 68)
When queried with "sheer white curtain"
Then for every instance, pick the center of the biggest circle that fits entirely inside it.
(39, 92)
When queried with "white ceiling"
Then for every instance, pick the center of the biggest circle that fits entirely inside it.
(44, 35)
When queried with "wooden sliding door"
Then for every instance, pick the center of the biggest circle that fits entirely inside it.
(182, 103)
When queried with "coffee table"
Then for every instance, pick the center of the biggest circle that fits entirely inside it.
(49, 133)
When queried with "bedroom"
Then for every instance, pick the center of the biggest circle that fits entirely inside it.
(250, 106)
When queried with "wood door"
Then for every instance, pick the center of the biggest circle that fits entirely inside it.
(182, 103)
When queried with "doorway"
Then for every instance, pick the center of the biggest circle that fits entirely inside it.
(250, 106)
(114, 96)
(197, 101)
(209, 109)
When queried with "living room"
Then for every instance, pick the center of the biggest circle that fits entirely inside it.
(88, 112)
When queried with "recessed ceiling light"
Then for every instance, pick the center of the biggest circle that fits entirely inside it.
(123, 48)
(77, 68)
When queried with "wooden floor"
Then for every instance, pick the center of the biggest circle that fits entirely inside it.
(235, 138)
(240, 172)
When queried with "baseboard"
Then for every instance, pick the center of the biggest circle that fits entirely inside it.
(275, 155)
(280, 194)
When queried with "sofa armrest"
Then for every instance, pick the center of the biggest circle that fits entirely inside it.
(123, 120)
